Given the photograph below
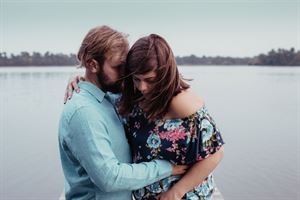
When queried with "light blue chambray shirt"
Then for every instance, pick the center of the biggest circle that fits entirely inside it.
(94, 151)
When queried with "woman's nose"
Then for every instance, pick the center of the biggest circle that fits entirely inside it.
(143, 86)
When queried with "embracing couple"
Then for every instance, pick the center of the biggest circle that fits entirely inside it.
(134, 129)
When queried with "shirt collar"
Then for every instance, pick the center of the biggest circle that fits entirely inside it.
(92, 89)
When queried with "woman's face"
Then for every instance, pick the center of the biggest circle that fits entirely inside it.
(144, 82)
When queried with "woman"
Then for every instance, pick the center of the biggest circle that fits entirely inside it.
(167, 120)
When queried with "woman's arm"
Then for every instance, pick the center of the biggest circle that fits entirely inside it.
(195, 175)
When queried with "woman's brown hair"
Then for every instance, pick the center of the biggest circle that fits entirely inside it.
(151, 53)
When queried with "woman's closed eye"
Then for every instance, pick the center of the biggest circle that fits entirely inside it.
(147, 80)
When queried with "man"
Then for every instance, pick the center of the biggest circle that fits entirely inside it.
(94, 151)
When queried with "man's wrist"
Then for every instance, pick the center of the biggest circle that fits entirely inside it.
(165, 167)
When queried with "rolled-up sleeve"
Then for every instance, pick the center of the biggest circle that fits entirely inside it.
(91, 145)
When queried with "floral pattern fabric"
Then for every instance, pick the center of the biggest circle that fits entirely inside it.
(180, 141)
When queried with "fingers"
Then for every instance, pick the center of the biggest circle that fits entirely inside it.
(70, 91)
(66, 96)
(185, 167)
(74, 83)
(81, 78)
(179, 169)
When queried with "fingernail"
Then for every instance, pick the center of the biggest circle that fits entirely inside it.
(77, 90)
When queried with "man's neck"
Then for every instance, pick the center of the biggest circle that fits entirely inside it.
(92, 78)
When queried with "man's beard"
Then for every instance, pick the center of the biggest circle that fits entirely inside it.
(103, 80)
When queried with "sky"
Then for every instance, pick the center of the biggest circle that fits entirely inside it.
(235, 28)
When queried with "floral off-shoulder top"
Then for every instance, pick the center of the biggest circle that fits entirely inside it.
(180, 141)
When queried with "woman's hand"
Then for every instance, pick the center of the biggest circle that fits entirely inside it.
(171, 194)
(195, 175)
(72, 85)
(179, 169)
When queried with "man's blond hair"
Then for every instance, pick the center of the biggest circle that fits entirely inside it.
(100, 44)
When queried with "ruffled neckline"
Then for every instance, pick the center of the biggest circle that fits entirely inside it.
(138, 110)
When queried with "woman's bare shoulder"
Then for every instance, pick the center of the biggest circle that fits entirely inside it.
(185, 103)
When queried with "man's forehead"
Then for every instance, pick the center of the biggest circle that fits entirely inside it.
(117, 59)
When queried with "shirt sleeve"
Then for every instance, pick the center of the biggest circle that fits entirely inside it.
(91, 145)
(206, 137)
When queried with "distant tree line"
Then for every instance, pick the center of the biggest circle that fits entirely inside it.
(208, 60)
(37, 59)
(280, 57)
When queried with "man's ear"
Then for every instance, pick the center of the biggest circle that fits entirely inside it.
(92, 65)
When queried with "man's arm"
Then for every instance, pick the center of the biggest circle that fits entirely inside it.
(91, 145)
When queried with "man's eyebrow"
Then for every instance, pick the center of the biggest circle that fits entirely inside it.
(121, 62)
(117, 65)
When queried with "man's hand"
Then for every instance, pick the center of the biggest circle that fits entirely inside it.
(72, 85)
(179, 169)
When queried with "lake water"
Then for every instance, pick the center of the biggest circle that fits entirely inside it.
(257, 110)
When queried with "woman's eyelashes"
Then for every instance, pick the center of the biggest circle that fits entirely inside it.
(147, 80)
